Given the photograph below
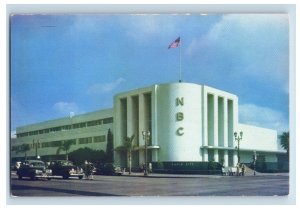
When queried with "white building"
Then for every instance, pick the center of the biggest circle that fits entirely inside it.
(187, 123)
(44, 138)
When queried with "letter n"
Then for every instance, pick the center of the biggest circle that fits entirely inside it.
(179, 101)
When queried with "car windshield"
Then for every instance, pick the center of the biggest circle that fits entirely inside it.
(37, 164)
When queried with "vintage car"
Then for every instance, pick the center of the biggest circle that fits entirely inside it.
(65, 169)
(34, 169)
(109, 169)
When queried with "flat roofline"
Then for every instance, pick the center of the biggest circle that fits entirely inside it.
(148, 87)
(20, 129)
(259, 127)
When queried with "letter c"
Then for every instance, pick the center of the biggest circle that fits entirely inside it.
(179, 131)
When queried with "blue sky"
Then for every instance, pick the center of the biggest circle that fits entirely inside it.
(76, 63)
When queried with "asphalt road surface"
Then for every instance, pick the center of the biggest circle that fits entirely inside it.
(154, 185)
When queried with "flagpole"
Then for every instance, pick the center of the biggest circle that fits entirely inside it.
(176, 44)
(180, 61)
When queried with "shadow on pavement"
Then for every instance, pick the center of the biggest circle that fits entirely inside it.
(68, 191)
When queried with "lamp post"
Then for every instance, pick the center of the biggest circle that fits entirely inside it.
(238, 138)
(35, 145)
(146, 135)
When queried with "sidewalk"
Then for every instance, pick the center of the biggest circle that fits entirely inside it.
(167, 175)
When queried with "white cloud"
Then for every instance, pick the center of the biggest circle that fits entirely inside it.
(86, 24)
(100, 88)
(149, 26)
(263, 117)
(66, 108)
(253, 45)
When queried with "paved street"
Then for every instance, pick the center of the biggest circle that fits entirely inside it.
(155, 185)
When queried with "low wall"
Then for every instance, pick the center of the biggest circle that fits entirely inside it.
(187, 167)
(270, 167)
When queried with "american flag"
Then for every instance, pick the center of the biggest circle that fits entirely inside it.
(175, 43)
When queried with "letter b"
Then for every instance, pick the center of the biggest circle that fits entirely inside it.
(179, 116)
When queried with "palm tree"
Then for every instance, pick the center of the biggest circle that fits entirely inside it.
(285, 141)
(128, 147)
(24, 148)
(66, 146)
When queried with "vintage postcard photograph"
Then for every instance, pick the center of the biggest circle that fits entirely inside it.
(149, 105)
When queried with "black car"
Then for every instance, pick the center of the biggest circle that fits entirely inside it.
(65, 169)
(34, 169)
(109, 169)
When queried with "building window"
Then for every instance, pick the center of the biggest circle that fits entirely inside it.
(57, 129)
(55, 144)
(82, 125)
(98, 139)
(46, 144)
(22, 134)
(107, 120)
(91, 123)
(67, 127)
(94, 123)
(77, 125)
(85, 140)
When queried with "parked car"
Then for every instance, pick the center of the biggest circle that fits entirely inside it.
(34, 169)
(98, 168)
(109, 169)
(65, 169)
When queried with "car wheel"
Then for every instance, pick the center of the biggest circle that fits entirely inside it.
(80, 177)
(65, 176)
(32, 176)
(19, 177)
(49, 179)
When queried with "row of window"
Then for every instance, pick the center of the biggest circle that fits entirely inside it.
(67, 127)
(96, 139)
(85, 140)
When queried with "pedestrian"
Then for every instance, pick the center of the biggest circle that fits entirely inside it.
(150, 167)
(243, 170)
(237, 169)
(145, 169)
(88, 170)
(91, 170)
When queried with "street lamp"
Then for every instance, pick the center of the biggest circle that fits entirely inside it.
(146, 136)
(35, 145)
(238, 138)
